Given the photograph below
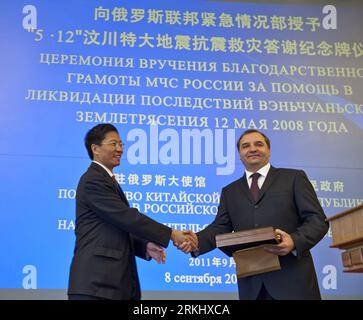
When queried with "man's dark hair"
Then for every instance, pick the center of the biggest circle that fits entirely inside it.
(267, 140)
(96, 135)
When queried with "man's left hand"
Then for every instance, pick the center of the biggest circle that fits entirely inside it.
(284, 247)
(156, 252)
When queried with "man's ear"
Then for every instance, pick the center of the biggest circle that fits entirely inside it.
(94, 148)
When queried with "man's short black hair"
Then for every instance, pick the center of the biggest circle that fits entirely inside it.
(267, 140)
(96, 135)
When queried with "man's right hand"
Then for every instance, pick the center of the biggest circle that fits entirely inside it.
(178, 237)
(191, 243)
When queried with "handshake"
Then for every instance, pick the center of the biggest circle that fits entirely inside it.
(186, 241)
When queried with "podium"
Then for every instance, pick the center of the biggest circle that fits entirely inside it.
(247, 249)
(347, 232)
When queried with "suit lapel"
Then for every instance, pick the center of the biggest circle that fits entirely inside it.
(120, 192)
(245, 190)
(271, 175)
(117, 187)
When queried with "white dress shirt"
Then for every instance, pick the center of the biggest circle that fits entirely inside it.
(261, 179)
(107, 169)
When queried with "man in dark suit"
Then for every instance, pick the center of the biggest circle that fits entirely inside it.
(268, 196)
(109, 234)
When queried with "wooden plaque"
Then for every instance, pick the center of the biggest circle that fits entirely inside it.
(247, 249)
(255, 260)
(347, 232)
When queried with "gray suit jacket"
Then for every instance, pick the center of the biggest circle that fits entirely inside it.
(109, 234)
(288, 202)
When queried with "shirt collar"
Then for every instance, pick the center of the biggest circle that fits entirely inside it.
(107, 170)
(263, 171)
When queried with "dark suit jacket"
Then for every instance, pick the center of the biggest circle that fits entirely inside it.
(109, 234)
(288, 202)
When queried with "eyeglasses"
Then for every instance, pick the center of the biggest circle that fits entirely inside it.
(114, 144)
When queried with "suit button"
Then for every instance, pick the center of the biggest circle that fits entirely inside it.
(256, 206)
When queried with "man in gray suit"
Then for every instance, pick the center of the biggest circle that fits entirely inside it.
(268, 196)
(109, 234)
